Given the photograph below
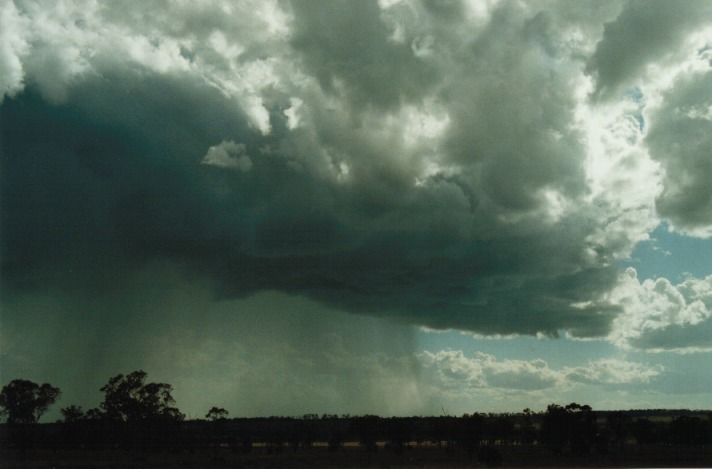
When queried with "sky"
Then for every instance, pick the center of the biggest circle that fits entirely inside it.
(384, 207)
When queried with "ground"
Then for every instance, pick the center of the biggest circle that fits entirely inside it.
(354, 456)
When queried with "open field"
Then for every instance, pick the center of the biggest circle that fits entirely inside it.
(355, 456)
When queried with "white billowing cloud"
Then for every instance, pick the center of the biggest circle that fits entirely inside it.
(658, 315)
(228, 154)
(14, 48)
(64, 41)
(53, 45)
(612, 371)
(623, 179)
(456, 371)
(661, 52)
(454, 368)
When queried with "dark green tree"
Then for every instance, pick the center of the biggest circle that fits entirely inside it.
(23, 401)
(130, 399)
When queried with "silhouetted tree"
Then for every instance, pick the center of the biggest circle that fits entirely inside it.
(499, 430)
(72, 414)
(307, 429)
(130, 399)
(398, 433)
(217, 413)
(554, 428)
(94, 414)
(367, 429)
(218, 416)
(573, 425)
(582, 427)
(23, 401)
(471, 432)
(527, 431)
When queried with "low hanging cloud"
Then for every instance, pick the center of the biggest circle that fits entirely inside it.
(393, 160)
(228, 154)
(275, 354)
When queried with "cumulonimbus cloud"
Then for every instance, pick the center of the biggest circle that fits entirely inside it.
(402, 163)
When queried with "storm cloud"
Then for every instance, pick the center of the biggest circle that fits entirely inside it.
(369, 206)
(475, 166)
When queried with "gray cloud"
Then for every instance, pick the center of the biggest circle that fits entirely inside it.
(511, 131)
(349, 49)
(271, 354)
(679, 139)
(645, 32)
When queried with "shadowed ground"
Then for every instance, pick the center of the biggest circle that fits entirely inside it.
(355, 456)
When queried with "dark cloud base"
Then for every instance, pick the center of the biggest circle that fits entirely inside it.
(87, 200)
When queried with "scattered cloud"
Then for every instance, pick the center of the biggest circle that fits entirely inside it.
(454, 369)
(613, 371)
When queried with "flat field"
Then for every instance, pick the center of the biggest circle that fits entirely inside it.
(355, 456)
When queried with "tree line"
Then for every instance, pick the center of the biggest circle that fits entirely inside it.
(137, 413)
(127, 398)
